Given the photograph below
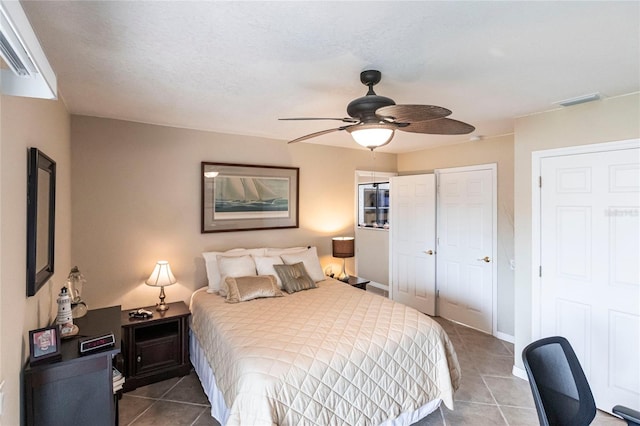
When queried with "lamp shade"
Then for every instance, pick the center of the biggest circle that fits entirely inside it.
(343, 247)
(161, 275)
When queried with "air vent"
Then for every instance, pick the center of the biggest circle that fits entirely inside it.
(12, 51)
(29, 72)
(579, 100)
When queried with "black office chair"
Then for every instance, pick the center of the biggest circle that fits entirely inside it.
(560, 389)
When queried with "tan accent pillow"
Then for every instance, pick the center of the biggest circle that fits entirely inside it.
(234, 266)
(241, 289)
(294, 277)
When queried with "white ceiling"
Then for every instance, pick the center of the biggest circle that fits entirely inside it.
(236, 67)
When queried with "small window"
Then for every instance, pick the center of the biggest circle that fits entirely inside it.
(373, 205)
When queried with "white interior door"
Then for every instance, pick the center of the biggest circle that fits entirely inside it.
(590, 266)
(467, 245)
(413, 228)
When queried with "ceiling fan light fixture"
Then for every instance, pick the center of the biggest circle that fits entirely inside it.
(372, 135)
(374, 119)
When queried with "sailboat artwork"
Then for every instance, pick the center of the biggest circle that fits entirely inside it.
(240, 197)
(243, 197)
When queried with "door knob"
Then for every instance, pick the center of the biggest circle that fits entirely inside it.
(429, 252)
(487, 259)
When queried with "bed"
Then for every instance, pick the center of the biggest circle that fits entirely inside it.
(331, 354)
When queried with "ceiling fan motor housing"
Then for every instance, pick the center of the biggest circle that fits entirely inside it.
(365, 107)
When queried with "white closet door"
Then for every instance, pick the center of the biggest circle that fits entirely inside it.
(590, 258)
(466, 245)
(413, 228)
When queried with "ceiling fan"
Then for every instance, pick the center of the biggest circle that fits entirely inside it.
(374, 119)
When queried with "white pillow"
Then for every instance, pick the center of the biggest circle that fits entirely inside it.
(264, 266)
(279, 251)
(211, 263)
(235, 267)
(310, 260)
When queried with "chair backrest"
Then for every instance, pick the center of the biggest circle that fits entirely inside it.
(560, 389)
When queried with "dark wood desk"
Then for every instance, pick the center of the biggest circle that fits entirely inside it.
(76, 389)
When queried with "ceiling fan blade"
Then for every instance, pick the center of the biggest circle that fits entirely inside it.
(313, 135)
(345, 120)
(412, 113)
(441, 126)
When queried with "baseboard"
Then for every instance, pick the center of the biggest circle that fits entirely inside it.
(504, 336)
(520, 373)
(378, 285)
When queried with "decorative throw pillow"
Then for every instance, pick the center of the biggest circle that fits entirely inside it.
(311, 263)
(241, 289)
(294, 277)
(234, 266)
(211, 263)
(264, 266)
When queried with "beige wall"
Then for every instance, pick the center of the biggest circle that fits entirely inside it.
(497, 150)
(602, 121)
(28, 123)
(136, 199)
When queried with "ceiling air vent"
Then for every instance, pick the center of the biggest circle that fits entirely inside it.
(12, 51)
(29, 72)
(579, 100)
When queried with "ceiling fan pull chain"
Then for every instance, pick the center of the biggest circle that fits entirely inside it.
(373, 164)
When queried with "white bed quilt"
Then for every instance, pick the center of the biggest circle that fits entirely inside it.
(331, 355)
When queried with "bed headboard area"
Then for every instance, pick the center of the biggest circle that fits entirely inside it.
(241, 262)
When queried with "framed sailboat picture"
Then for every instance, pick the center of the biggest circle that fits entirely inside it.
(242, 197)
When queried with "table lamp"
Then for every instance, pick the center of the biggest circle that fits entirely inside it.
(343, 247)
(161, 277)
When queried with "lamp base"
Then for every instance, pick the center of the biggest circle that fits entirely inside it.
(343, 276)
(161, 307)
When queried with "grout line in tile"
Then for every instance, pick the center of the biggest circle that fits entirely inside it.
(488, 404)
(171, 388)
(517, 406)
(444, 421)
(197, 404)
(198, 418)
(143, 412)
(508, 348)
(143, 397)
(495, 400)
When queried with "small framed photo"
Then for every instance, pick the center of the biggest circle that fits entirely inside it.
(44, 345)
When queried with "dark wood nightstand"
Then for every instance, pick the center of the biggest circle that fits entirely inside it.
(358, 282)
(76, 389)
(157, 348)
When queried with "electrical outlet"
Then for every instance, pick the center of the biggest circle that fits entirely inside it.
(512, 264)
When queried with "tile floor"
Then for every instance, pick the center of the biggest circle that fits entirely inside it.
(489, 394)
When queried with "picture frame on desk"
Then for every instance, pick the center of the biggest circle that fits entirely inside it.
(44, 345)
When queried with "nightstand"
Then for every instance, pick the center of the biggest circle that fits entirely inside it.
(157, 348)
(76, 389)
(358, 282)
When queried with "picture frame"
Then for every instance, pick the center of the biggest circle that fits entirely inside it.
(244, 197)
(44, 345)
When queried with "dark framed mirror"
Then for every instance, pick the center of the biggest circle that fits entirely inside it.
(41, 215)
